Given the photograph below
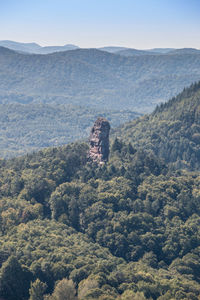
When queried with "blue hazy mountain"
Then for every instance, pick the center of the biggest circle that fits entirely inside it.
(113, 49)
(23, 47)
(136, 52)
(184, 51)
(161, 50)
(35, 48)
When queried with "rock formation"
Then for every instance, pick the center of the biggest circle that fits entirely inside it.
(99, 141)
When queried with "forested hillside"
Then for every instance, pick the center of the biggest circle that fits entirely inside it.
(129, 229)
(126, 230)
(172, 131)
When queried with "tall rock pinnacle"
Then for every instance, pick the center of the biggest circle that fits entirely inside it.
(99, 141)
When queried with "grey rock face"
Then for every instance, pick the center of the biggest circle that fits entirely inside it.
(99, 141)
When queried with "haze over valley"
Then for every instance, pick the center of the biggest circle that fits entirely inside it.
(89, 81)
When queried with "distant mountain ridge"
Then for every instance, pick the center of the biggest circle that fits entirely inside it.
(95, 78)
(135, 52)
(158, 51)
(25, 47)
(161, 50)
(132, 51)
(185, 51)
(35, 48)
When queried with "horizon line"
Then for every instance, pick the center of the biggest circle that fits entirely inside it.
(93, 47)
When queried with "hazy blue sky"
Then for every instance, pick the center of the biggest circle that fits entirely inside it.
(93, 23)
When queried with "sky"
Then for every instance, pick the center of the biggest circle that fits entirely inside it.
(140, 24)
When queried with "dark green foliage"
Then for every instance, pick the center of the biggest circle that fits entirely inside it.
(14, 280)
(117, 145)
(127, 228)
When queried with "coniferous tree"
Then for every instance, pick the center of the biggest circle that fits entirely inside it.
(37, 290)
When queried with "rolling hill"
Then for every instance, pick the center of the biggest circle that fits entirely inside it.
(95, 78)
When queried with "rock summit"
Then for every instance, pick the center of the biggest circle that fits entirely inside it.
(99, 141)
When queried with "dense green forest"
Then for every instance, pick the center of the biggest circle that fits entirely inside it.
(71, 229)
(30, 127)
(171, 132)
